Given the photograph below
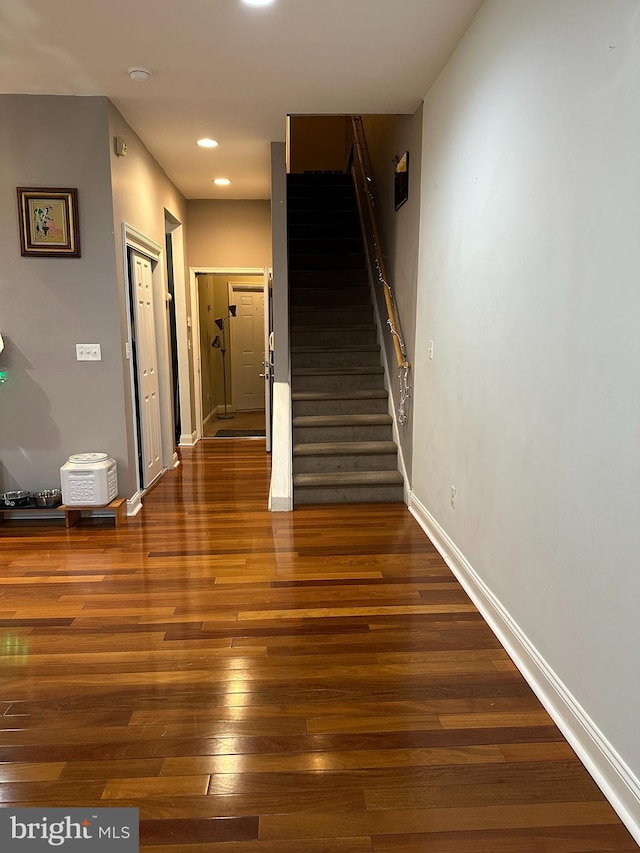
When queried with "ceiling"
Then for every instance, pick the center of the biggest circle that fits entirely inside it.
(228, 71)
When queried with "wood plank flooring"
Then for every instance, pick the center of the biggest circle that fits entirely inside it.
(255, 682)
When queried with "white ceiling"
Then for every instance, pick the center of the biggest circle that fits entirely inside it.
(228, 71)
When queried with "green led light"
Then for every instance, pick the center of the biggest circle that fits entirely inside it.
(4, 374)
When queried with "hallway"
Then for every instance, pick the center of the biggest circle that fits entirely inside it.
(255, 682)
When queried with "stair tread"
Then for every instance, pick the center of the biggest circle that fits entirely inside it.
(344, 448)
(365, 394)
(335, 371)
(349, 478)
(340, 420)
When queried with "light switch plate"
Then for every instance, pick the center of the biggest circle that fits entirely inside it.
(88, 352)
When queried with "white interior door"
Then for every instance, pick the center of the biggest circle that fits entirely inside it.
(247, 347)
(146, 356)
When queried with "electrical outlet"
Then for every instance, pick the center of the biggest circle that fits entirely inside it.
(453, 497)
(88, 352)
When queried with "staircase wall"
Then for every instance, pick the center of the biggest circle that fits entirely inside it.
(389, 136)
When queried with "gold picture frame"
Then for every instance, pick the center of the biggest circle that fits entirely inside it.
(48, 222)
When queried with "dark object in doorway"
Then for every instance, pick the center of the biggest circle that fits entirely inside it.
(240, 433)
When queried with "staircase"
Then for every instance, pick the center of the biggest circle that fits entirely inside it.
(343, 451)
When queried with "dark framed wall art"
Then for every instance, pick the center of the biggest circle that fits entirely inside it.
(48, 222)
(401, 180)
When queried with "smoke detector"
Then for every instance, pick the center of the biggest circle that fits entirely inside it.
(139, 74)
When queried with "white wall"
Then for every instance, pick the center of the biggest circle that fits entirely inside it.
(388, 137)
(530, 288)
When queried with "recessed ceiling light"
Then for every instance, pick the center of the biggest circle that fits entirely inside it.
(139, 74)
(257, 2)
(207, 143)
(222, 182)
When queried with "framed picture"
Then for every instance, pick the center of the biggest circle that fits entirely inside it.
(401, 180)
(49, 222)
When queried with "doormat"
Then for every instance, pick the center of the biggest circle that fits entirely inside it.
(240, 433)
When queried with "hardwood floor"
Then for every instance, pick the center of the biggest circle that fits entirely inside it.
(255, 682)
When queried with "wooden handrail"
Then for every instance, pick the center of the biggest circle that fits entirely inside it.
(366, 184)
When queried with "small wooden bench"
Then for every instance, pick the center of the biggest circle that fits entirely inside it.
(72, 514)
(117, 508)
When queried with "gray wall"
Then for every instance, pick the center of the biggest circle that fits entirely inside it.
(53, 405)
(529, 287)
(389, 136)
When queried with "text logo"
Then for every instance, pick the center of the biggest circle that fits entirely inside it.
(36, 830)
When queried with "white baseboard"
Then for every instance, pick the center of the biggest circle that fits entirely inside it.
(207, 420)
(188, 440)
(613, 776)
(134, 504)
(175, 462)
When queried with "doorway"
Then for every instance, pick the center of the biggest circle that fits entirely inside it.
(232, 392)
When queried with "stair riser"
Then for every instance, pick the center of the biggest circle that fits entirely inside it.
(334, 337)
(326, 382)
(304, 408)
(336, 190)
(304, 298)
(324, 245)
(302, 204)
(329, 358)
(322, 232)
(319, 279)
(327, 205)
(348, 494)
(326, 261)
(320, 185)
(319, 179)
(302, 315)
(355, 462)
(311, 435)
(295, 216)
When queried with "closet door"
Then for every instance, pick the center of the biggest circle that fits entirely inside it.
(146, 364)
